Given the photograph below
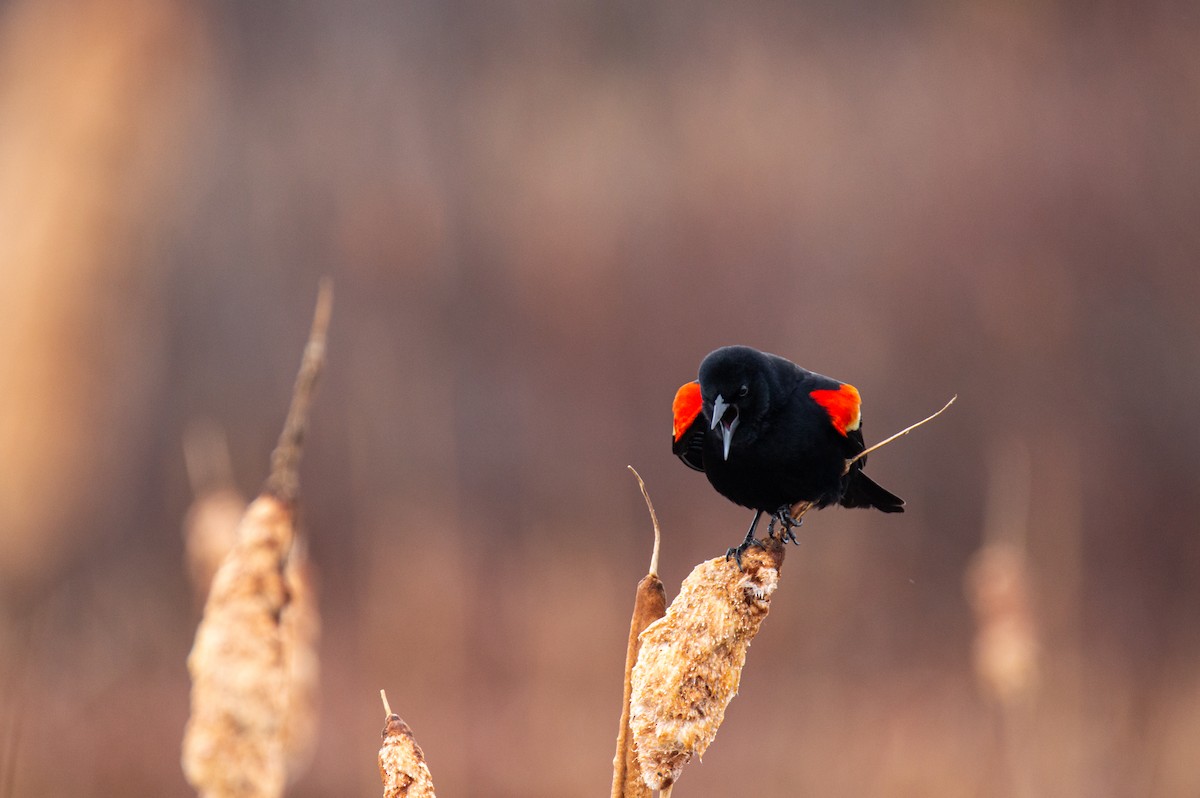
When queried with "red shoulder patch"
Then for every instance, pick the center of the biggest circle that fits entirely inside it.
(842, 405)
(686, 407)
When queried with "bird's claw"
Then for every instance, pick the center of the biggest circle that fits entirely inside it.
(737, 551)
(783, 516)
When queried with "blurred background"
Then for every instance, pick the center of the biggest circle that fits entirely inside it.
(539, 217)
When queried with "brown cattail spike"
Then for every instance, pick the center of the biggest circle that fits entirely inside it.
(253, 664)
(998, 582)
(1006, 647)
(402, 765)
(649, 605)
(690, 663)
(233, 746)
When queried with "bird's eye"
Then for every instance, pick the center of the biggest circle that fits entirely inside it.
(743, 390)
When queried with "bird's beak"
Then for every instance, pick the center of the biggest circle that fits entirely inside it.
(720, 407)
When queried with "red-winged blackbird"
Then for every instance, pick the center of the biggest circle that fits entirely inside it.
(769, 434)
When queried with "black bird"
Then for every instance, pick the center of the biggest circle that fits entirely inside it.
(769, 434)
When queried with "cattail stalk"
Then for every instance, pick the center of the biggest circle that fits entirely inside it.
(650, 604)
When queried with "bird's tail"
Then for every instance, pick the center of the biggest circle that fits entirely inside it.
(862, 491)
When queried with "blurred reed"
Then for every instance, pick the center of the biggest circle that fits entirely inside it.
(211, 525)
(1005, 651)
(253, 664)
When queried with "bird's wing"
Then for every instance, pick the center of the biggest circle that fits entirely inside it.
(689, 423)
(842, 404)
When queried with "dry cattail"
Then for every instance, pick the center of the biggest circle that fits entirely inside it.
(650, 603)
(691, 660)
(998, 584)
(1006, 647)
(301, 632)
(233, 745)
(253, 664)
(210, 531)
(402, 765)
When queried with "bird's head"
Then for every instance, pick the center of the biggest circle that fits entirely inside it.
(736, 387)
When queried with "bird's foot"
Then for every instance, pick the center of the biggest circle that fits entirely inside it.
(737, 551)
(784, 517)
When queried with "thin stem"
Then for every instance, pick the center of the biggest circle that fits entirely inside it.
(902, 432)
(284, 480)
(653, 520)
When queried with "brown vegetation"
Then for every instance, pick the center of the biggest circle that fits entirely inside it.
(690, 663)
(254, 663)
(649, 604)
(402, 765)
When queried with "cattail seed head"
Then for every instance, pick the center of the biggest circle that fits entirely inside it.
(233, 745)
(1006, 641)
(690, 663)
(402, 763)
